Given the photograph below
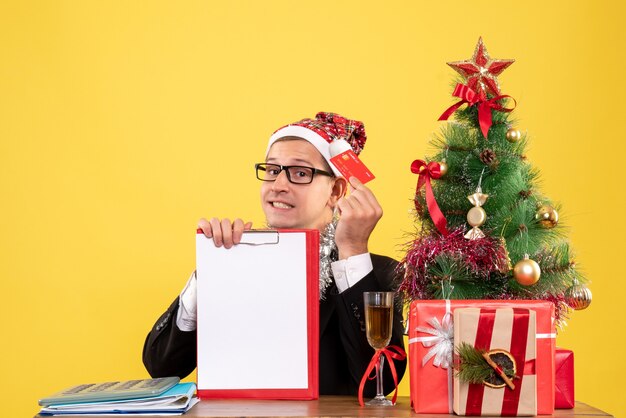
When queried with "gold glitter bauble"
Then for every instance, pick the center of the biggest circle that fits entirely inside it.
(476, 216)
(443, 168)
(513, 135)
(578, 296)
(526, 272)
(547, 216)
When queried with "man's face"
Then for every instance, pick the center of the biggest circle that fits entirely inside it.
(288, 205)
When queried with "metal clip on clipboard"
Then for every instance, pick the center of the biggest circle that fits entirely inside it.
(260, 237)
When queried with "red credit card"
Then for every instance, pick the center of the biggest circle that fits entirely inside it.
(349, 165)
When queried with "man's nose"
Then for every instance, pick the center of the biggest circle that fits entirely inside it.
(281, 182)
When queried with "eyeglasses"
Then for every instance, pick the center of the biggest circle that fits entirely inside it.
(295, 173)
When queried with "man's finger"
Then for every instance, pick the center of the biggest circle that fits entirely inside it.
(247, 226)
(345, 205)
(216, 227)
(364, 199)
(238, 228)
(355, 183)
(367, 198)
(359, 200)
(227, 233)
(367, 193)
(205, 226)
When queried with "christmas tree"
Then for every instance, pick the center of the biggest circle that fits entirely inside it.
(484, 229)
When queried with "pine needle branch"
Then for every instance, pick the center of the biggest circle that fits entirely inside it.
(472, 367)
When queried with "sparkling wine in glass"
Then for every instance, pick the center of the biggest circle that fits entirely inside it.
(378, 326)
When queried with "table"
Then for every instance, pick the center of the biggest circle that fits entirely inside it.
(336, 406)
(333, 406)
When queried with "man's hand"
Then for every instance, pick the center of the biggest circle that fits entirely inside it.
(360, 212)
(224, 232)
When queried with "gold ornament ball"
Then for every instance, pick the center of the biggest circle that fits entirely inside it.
(578, 297)
(526, 272)
(547, 216)
(443, 168)
(513, 135)
(476, 216)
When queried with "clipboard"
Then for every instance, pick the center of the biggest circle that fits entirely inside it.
(258, 316)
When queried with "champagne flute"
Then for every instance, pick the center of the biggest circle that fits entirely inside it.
(378, 326)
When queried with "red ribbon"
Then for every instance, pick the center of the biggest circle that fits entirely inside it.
(519, 335)
(426, 172)
(469, 96)
(391, 352)
(529, 367)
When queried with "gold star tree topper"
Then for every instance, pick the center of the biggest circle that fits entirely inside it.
(480, 71)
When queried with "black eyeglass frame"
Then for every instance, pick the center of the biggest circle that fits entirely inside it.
(285, 168)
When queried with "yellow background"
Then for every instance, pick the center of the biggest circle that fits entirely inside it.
(122, 123)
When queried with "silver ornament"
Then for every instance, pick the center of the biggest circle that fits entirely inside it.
(328, 255)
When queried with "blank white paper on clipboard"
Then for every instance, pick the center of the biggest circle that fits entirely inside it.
(254, 315)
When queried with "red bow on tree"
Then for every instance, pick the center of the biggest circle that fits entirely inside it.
(426, 172)
(469, 96)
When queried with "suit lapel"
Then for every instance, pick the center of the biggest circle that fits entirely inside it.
(326, 312)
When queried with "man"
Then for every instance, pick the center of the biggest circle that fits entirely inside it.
(301, 189)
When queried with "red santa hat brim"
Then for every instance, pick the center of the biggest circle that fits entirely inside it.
(319, 142)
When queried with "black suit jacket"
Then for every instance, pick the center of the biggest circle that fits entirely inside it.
(344, 351)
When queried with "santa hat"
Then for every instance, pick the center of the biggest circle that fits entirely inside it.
(322, 131)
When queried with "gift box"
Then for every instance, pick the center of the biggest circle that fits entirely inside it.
(430, 351)
(564, 379)
(508, 337)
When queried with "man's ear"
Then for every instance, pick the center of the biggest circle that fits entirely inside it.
(339, 189)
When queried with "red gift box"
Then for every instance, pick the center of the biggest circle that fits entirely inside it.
(430, 351)
(564, 379)
(508, 329)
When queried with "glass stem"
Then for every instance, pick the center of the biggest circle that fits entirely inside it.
(379, 377)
